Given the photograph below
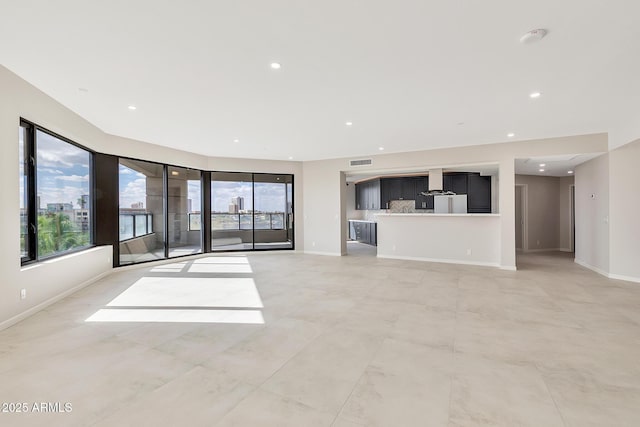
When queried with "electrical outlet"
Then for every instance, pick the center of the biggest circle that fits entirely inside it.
(393, 248)
(313, 244)
(468, 251)
(23, 293)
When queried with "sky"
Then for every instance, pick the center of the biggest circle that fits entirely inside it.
(63, 177)
(269, 197)
(62, 171)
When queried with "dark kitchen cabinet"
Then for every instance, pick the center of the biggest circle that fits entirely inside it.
(423, 202)
(408, 188)
(455, 181)
(363, 232)
(368, 195)
(478, 193)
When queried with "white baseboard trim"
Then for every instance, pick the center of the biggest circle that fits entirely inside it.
(35, 309)
(608, 275)
(323, 253)
(626, 278)
(508, 267)
(591, 267)
(565, 250)
(441, 260)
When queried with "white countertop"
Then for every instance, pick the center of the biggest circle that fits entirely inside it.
(436, 214)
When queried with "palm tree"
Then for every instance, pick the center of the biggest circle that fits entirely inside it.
(57, 233)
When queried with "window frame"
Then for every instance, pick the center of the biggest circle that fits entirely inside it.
(31, 205)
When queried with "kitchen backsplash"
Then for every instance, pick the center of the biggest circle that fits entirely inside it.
(402, 206)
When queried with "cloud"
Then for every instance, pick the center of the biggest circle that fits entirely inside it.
(73, 178)
(133, 192)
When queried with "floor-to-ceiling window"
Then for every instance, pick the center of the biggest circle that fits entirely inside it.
(184, 198)
(251, 211)
(55, 194)
(273, 213)
(231, 211)
(142, 221)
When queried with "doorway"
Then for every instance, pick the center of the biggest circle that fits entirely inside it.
(520, 214)
(573, 219)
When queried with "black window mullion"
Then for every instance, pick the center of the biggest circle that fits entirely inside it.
(165, 207)
(253, 211)
(32, 206)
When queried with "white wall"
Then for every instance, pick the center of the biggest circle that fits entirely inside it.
(624, 200)
(463, 239)
(46, 281)
(324, 188)
(592, 214)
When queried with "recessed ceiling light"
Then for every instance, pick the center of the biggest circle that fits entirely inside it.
(543, 165)
(83, 89)
(132, 107)
(381, 148)
(275, 65)
(175, 173)
(569, 171)
(533, 36)
(290, 157)
(349, 123)
(541, 170)
(511, 135)
(535, 95)
(236, 140)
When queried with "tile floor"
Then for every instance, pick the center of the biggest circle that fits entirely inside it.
(350, 341)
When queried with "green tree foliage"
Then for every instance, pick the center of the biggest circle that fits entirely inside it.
(57, 233)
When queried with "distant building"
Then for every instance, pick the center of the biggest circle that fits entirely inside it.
(81, 218)
(84, 201)
(236, 205)
(239, 202)
(139, 205)
(59, 207)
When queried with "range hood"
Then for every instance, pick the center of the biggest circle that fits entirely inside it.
(435, 185)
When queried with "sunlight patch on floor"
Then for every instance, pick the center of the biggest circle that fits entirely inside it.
(190, 292)
(177, 316)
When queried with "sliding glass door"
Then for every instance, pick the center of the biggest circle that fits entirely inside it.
(183, 210)
(251, 211)
(231, 211)
(273, 215)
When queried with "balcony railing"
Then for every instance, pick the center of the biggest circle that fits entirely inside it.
(241, 221)
(135, 225)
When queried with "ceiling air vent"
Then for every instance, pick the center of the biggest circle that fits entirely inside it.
(361, 162)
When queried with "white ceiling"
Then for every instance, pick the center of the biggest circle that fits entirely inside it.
(406, 73)
(553, 165)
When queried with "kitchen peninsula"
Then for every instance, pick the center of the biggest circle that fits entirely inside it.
(453, 238)
(441, 216)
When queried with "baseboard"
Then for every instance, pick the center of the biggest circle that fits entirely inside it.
(626, 278)
(591, 267)
(440, 260)
(547, 250)
(508, 267)
(323, 253)
(35, 309)
(608, 275)
(565, 250)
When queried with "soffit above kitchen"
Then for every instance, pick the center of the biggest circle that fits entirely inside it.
(353, 78)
